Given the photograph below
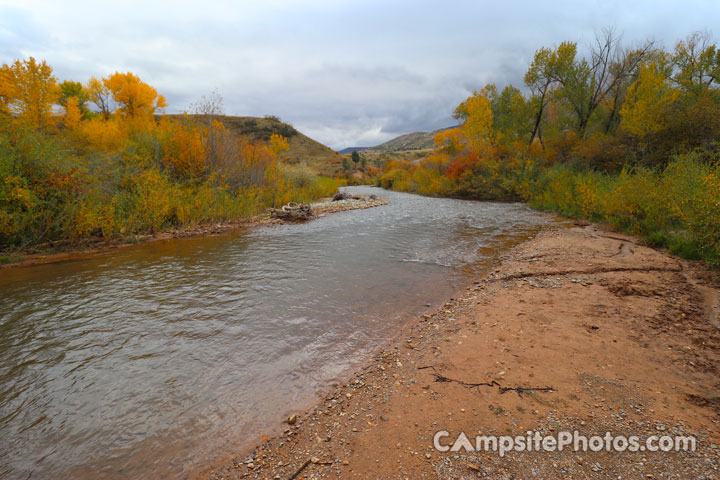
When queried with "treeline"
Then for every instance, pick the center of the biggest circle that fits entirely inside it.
(628, 136)
(97, 161)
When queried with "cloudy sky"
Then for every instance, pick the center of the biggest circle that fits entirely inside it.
(347, 73)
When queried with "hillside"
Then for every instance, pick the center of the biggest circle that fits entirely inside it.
(410, 141)
(303, 149)
(352, 149)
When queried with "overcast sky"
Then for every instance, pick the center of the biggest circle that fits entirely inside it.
(347, 73)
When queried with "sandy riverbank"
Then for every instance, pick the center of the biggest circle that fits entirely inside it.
(578, 329)
(49, 253)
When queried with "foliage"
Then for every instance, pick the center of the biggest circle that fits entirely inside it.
(29, 91)
(624, 136)
(70, 174)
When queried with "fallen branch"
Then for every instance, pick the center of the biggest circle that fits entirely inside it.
(443, 379)
(519, 390)
(299, 470)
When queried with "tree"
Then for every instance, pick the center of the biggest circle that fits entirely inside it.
(345, 164)
(585, 85)
(8, 90)
(30, 90)
(100, 95)
(278, 143)
(648, 101)
(134, 97)
(477, 121)
(511, 114)
(355, 156)
(539, 78)
(73, 113)
(697, 63)
(70, 89)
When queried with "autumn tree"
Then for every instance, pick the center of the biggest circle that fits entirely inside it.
(69, 89)
(539, 78)
(648, 102)
(512, 116)
(134, 97)
(476, 116)
(584, 84)
(29, 90)
(73, 113)
(278, 143)
(7, 89)
(697, 63)
(100, 95)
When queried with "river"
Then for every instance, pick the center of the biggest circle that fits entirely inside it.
(152, 360)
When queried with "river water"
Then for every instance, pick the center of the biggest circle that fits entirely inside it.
(150, 361)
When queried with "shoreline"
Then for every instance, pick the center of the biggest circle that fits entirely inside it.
(578, 328)
(322, 208)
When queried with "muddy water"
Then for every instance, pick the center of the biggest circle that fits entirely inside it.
(148, 361)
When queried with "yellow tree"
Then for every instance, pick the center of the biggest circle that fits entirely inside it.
(29, 91)
(99, 94)
(73, 114)
(278, 143)
(477, 122)
(7, 89)
(647, 102)
(134, 97)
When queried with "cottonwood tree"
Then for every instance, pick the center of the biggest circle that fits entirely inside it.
(697, 63)
(581, 84)
(134, 97)
(28, 90)
(100, 95)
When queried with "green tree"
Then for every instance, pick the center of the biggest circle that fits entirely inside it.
(355, 157)
(697, 63)
(69, 89)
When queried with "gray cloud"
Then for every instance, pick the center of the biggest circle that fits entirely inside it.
(346, 73)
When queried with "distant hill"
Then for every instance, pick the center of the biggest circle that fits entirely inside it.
(319, 158)
(410, 141)
(352, 149)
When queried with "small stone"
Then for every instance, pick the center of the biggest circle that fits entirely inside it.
(292, 420)
(315, 460)
(428, 456)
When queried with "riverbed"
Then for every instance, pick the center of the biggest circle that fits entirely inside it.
(148, 361)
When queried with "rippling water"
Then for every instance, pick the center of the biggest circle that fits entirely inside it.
(150, 360)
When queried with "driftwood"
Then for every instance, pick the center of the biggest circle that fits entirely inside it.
(519, 390)
(293, 212)
(341, 196)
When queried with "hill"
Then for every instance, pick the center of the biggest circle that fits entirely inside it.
(352, 149)
(319, 158)
(410, 141)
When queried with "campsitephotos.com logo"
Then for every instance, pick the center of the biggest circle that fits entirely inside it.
(537, 442)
